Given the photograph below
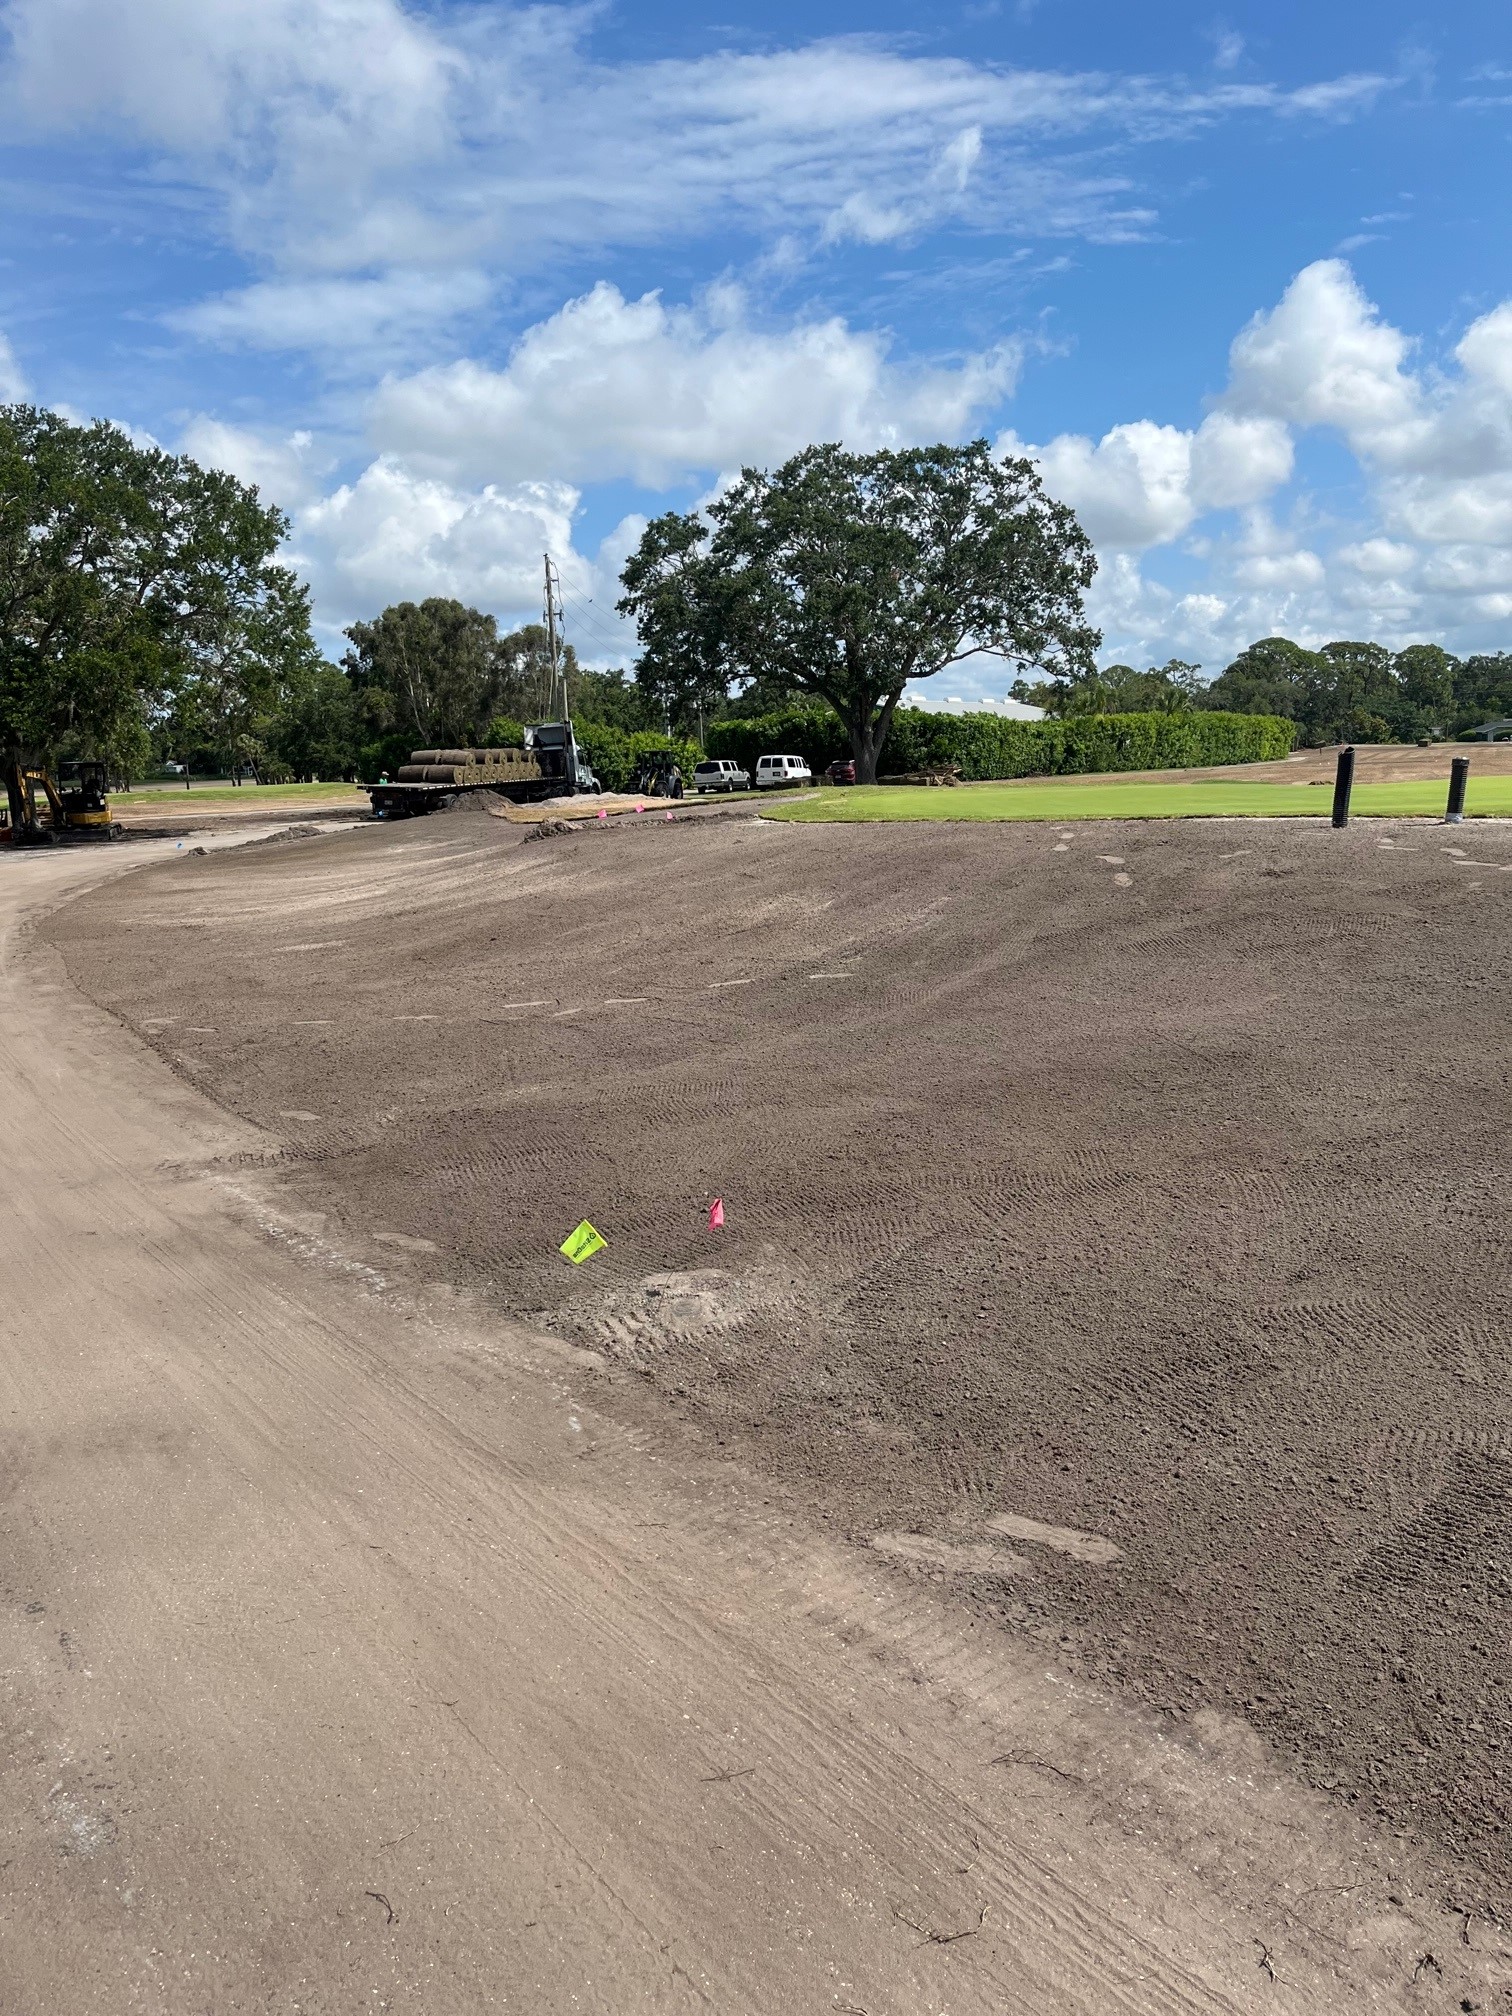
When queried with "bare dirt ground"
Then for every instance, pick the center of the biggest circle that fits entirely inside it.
(1113, 1245)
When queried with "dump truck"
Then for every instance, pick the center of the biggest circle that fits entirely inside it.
(551, 764)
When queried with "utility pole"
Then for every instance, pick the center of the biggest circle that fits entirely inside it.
(553, 605)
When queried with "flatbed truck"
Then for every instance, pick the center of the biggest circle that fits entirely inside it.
(551, 764)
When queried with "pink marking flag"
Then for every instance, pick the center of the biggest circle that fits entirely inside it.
(716, 1213)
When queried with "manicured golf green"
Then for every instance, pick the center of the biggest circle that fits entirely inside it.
(165, 796)
(1071, 798)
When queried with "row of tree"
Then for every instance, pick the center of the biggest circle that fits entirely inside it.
(144, 616)
(437, 674)
(1344, 692)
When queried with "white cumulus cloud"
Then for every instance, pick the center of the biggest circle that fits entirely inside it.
(1144, 484)
(393, 535)
(1433, 444)
(478, 466)
(613, 388)
(1322, 357)
(286, 469)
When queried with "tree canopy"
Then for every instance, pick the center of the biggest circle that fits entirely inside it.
(1345, 691)
(1354, 691)
(1171, 688)
(426, 674)
(849, 576)
(134, 586)
(435, 674)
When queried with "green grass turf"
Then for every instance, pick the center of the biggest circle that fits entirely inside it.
(165, 797)
(1068, 798)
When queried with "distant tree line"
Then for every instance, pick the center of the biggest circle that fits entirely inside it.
(1344, 692)
(145, 619)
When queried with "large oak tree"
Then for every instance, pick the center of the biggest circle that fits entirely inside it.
(849, 576)
(134, 586)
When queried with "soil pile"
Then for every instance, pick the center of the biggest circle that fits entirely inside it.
(1116, 1217)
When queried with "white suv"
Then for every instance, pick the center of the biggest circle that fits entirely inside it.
(715, 774)
(778, 770)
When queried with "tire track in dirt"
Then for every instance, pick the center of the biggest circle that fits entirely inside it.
(316, 1607)
(1171, 1215)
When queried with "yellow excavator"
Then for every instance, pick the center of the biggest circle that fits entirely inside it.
(39, 808)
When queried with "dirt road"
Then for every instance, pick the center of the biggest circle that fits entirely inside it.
(350, 1660)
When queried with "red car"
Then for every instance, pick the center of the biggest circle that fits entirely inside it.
(842, 773)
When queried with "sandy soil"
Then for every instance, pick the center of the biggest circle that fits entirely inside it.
(1065, 1263)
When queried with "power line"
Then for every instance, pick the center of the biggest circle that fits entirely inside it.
(586, 607)
(591, 641)
(593, 634)
(590, 598)
(596, 633)
(597, 621)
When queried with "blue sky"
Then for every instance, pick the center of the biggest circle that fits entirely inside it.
(454, 285)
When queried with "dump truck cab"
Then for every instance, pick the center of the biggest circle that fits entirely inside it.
(556, 749)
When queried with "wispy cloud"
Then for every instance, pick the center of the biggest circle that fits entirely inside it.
(347, 136)
(1228, 48)
(362, 322)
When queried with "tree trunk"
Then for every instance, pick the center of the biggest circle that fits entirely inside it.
(864, 750)
(15, 793)
(867, 735)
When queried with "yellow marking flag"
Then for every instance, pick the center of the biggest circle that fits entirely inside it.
(583, 1244)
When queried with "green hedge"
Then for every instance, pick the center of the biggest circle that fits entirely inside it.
(982, 746)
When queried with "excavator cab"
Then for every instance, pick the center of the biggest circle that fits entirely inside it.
(81, 787)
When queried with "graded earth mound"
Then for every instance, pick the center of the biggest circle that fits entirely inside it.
(1116, 1217)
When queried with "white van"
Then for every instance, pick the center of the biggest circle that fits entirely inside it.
(774, 771)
